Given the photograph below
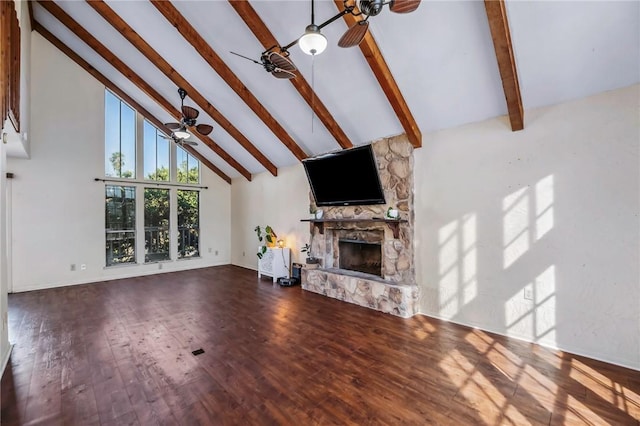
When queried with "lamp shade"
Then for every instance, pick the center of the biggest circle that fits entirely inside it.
(312, 41)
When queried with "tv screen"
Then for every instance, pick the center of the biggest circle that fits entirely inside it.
(344, 178)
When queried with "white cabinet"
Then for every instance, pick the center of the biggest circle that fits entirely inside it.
(276, 263)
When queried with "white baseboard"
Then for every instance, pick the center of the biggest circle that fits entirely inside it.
(569, 351)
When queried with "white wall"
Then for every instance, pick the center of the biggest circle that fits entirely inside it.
(553, 209)
(268, 200)
(58, 209)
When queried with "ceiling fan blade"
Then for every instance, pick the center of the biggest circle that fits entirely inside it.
(245, 57)
(172, 126)
(403, 6)
(189, 113)
(284, 74)
(184, 142)
(281, 62)
(354, 35)
(204, 129)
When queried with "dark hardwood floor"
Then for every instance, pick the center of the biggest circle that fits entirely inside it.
(119, 353)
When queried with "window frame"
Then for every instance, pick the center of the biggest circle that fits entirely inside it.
(139, 183)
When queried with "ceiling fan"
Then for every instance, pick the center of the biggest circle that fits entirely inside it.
(275, 63)
(313, 42)
(177, 140)
(354, 35)
(180, 130)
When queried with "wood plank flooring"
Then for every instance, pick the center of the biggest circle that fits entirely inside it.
(119, 353)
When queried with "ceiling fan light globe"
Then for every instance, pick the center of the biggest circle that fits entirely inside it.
(181, 134)
(312, 42)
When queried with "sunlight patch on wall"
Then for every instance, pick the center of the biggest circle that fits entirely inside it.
(515, 226)
(457, 264)
(544, 206)
(470, 258)
(535, 317)
(528, 216)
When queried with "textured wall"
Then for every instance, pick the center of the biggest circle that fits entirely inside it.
(535, 234)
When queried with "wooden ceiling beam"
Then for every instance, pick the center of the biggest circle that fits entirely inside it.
(124, 96)
(266, 38)
(380, 69)
(501, 35)
(190, 34)
(122, 68)
(145, 48)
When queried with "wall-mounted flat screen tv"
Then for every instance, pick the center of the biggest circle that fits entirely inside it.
(344, 178)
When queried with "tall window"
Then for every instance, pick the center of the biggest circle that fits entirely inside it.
(120, 138)
(156, 154)
(120, 224)
(156, 224)
(188, 167)
(155, 186)
(188, 223)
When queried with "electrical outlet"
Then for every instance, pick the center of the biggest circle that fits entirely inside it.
(216, 252)
(242, 254)
(72, 267)
(83, 267)
(159, 265)
(528, 293)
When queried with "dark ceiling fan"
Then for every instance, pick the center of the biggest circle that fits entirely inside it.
(180, 130)
(313, 42)
(275, 63)
(354, 35)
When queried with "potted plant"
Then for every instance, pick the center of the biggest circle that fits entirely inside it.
(310, 259)
(267, 234)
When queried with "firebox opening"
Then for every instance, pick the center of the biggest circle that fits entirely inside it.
(360, 256)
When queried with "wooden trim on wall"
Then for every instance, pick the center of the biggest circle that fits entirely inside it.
(120, 93)
(501, 35)
(10, 63)
(266, 38)
(190, 34)
(381, 70)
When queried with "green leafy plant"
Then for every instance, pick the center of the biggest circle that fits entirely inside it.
(307, 249)
(267, 234)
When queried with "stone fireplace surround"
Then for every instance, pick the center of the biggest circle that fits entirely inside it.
(395, 292)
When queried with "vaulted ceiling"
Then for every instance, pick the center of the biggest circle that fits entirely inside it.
(442, 68)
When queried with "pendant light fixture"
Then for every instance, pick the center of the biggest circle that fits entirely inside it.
(312, 42)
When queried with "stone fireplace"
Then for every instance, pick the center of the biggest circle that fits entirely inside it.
(364, 258)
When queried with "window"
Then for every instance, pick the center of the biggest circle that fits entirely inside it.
(120, 224)
(155, 183)
(156, 154)
(156, 224)
(188, 167)
(188, 223)
(120, 138)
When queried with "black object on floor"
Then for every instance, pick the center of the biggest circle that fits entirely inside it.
(198, 351)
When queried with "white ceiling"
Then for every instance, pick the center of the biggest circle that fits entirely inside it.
(441, 56)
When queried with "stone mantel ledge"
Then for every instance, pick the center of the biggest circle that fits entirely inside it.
(375, 293)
